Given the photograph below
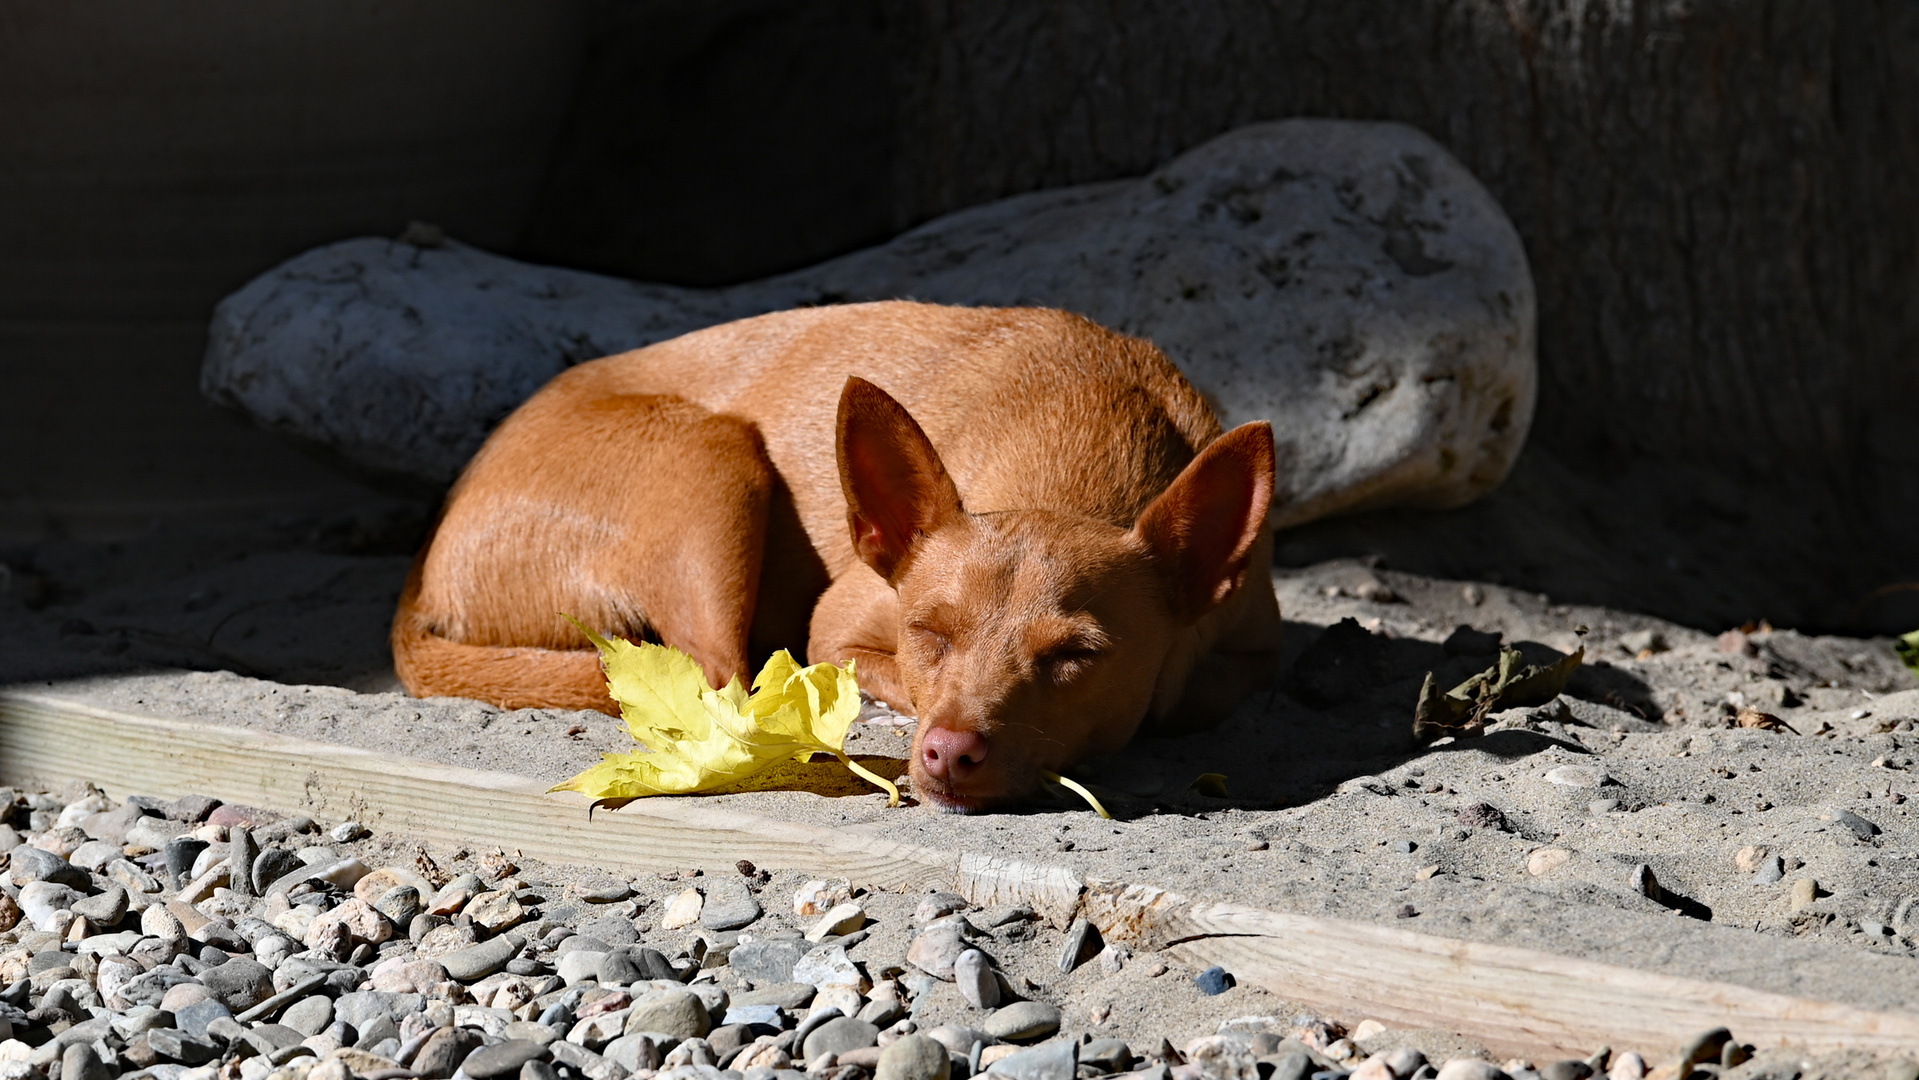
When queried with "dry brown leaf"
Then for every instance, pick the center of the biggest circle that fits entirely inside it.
(1753, 718)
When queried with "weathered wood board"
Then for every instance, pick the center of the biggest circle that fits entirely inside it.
(1514, 1000)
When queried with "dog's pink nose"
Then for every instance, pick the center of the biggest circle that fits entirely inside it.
(951, 755)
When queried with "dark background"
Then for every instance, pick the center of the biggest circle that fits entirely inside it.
(1717, 199)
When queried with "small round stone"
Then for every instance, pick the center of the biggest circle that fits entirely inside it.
(913, 1057)
(502, 1059)
(1023, 1020)
(840, 1035)
(973, 975)
(677, 1014)
(1214, 980)
(729, 905)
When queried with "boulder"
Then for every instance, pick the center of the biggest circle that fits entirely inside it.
(1349, 281)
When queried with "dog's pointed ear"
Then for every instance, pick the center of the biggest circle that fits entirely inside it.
(897, 489)
(1204, 526)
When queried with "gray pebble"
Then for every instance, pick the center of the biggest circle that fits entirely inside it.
(936, 949)
(1056, 1059)
(767, 1015)
(574, 1056)
(361, 1007)
(727, 1038)
(444, 1051)
(102, 910)
(399, 904)
(348, 831)
(608, 891)
(789, 996)
(1023, 1020)
(194, 1018)
(839, 1035)
(81, 1062)
(190, 809)
(914, 1057)
(502, 1059)
(1770, 872)
(422, 925)
(632, 1052)
(271, 865)
(611, 929)
(309, 1015)
(973, 975)
(478, 961)
(239, 984)
(653, 963)
(242, 851)
(39, 900)
(580, 965)
(1861, 828)
(1006, 916)
(938, 905)
(677, 1014)
(178, 1045)
(958, 1038)
(1113, 1055)
(179, 855)
(1082, 942)
(729, 905)
(616, 968)
(767, 961)
(31, 864)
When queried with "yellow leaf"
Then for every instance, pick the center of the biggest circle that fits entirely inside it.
(698, 739)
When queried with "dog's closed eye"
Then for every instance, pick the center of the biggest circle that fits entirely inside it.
(1068, 661)
(932, 640)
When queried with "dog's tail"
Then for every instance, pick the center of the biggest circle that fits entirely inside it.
(512, 677)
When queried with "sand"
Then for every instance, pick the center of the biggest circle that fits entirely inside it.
(1331, 809)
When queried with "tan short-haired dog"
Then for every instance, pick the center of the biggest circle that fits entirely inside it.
(1026, 528)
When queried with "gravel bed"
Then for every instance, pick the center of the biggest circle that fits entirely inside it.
(189, 940)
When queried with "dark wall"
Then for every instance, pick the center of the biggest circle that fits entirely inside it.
(718, 140)
(1718, 198)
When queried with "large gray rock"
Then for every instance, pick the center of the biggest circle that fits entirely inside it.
(1349, 281)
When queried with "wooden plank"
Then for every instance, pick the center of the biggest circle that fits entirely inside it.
(1514, 1000)
(44, 738)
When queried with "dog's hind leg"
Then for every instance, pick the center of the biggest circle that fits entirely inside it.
(639, 515)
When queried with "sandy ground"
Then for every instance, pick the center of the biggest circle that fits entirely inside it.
(1331, 806)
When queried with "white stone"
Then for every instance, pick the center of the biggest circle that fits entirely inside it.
(1547, 859)
(1349, 281)
(1366, 1029)
(830, 967)
(579, 965)
(359, 918)
(1579, 776)
(819, 897)
(842, 919)
(683, 912)
(973, 975)
(43, 902)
